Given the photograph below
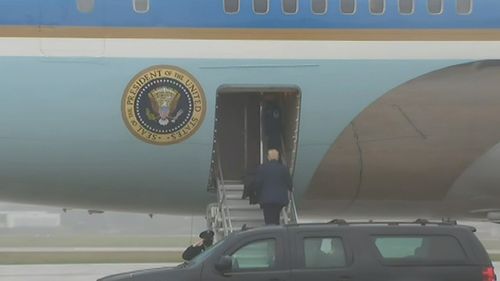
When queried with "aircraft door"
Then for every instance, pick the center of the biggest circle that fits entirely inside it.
(238, 133)
(249, 121)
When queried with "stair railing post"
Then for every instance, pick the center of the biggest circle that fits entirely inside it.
(221, 194)
(290, 212)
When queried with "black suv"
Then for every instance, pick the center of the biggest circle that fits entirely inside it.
(337, 251)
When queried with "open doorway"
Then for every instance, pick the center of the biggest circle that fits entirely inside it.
(249, 120)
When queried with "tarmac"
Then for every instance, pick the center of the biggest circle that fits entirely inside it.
(69, 272)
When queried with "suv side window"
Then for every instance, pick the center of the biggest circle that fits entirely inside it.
(323, 252)
(419, 249)
(257, 255)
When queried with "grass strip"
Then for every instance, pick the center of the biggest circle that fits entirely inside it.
(95, 241)
(494, 257)
(88, 257)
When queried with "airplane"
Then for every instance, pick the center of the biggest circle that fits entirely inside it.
(388, 107)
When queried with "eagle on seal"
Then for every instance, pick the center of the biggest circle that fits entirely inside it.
(164, 103)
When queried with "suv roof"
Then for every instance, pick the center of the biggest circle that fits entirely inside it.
(371, 223)
(342, 222)
(424, 225)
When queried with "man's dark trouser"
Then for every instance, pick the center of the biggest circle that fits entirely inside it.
(272, 213)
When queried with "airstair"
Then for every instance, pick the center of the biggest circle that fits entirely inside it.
(232, 212)
(241, 212)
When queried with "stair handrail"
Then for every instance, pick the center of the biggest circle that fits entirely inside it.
(292, 208)
(221, 194)
(290, 212)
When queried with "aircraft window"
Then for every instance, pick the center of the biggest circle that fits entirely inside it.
(231, 6)
(85, 6)
(435, 6)
(290, 6)
(464, 7)
(319, 7)
(348, 6)
(406, 7)
(141, 6)
(261, 6)
(377, 7)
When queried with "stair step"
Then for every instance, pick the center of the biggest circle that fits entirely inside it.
(246, 217)
(238, 199)
(240, 215)
(234, 195)
(235, 205)
(233, 181)
(253, 223)
(241, 205)
(247, 220)
(234, 187)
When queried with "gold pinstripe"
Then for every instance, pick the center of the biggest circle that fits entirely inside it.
(257, 34)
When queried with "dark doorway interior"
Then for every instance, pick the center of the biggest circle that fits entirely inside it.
(248, 121)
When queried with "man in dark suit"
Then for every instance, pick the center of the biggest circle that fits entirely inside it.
(273, 182)
(272, 124)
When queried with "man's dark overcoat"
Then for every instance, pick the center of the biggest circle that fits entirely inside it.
(273, 182)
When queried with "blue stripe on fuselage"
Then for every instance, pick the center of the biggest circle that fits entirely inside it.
(210, 14)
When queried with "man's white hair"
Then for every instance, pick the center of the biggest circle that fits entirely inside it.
(273, 154)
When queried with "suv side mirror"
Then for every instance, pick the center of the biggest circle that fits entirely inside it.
(224, 264)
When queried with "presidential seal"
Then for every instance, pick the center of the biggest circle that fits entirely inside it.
(163, 105)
